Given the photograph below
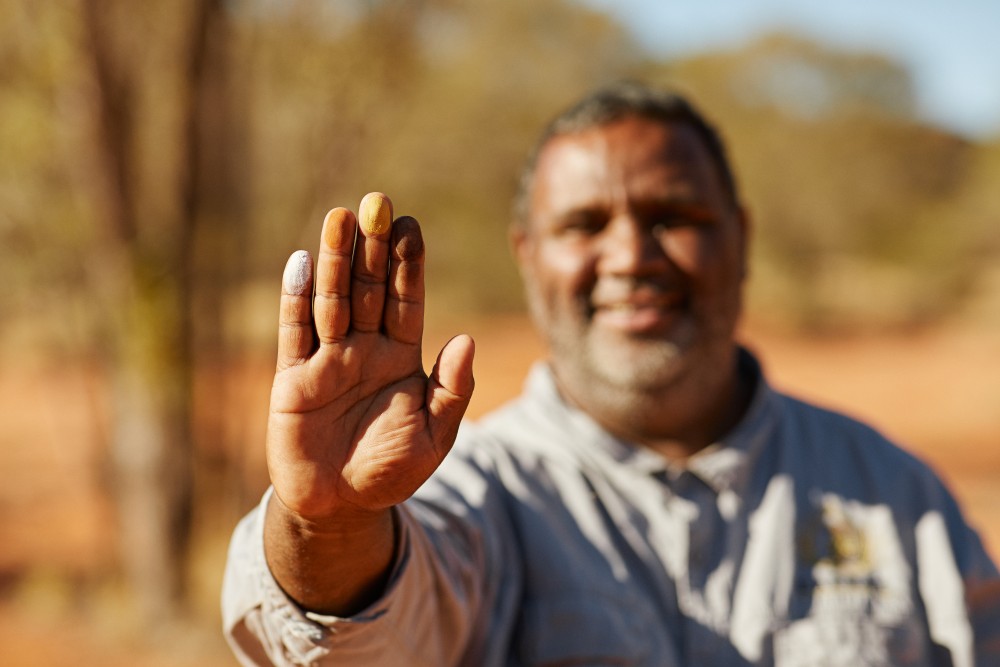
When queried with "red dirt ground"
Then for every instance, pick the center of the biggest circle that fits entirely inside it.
(937, 391)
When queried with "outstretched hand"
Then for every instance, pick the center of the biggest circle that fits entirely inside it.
(355, 424)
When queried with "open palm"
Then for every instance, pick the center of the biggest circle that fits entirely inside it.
(355, 423)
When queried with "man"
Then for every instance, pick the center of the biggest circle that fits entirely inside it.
(648, 500)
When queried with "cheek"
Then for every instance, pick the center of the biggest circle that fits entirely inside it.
(561, 269)
(686, 248)
(713, 262)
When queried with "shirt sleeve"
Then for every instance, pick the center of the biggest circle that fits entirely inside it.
(265, 627)
(451, 598)
(982, 598)
(959, 584)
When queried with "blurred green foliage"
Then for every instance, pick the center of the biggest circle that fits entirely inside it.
(864, 217)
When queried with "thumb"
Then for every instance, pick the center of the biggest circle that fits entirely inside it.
(449, 390)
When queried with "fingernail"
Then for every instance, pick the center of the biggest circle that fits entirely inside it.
(375, 214)
(339, 222)
(298, 271)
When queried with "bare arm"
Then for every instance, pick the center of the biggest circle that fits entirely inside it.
(355, 425)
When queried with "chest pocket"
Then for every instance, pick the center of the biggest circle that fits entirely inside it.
(850, 624)
(593, 630)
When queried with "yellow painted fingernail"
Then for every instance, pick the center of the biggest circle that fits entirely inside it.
(375, 214)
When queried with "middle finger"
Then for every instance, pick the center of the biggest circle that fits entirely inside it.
(369, 269)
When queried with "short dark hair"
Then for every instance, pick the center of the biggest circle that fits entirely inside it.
(615, 102)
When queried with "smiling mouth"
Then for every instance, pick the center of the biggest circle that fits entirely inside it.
(640, 315)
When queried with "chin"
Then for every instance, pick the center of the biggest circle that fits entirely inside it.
(634, 366)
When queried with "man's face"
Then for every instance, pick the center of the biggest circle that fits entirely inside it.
(633, 255)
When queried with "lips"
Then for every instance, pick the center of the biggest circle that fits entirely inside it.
(640, 311)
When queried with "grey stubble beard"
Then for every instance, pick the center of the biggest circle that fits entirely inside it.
(627, 374)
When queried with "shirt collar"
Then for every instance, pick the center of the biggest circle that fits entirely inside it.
(721, 465)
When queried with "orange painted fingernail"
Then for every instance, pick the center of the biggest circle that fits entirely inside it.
(375, 214)
(334, 227)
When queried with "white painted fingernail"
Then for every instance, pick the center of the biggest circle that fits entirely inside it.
(298, 271)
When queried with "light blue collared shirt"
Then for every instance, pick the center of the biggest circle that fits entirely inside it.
(802, 538)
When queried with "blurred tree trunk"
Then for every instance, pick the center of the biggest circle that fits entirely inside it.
(144, 265)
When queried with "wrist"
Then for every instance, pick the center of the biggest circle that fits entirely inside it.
(332, 565)
(344, 519)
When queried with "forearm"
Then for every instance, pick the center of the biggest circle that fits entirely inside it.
(336, 567)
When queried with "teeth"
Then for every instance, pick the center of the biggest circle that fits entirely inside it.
(627, 307)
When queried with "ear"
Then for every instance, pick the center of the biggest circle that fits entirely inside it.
(521, 245)
(743, 219)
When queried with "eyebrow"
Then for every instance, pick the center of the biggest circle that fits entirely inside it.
(588, 210)
(674, 200)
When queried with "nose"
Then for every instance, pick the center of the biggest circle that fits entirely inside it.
(631, 248)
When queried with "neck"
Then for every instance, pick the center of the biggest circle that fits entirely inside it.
(677, 420)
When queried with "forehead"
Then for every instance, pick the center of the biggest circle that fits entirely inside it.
(634, 158)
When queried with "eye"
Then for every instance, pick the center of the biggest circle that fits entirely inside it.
(666, 223)
(675, 218)
(583, 223)
(663, 223)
